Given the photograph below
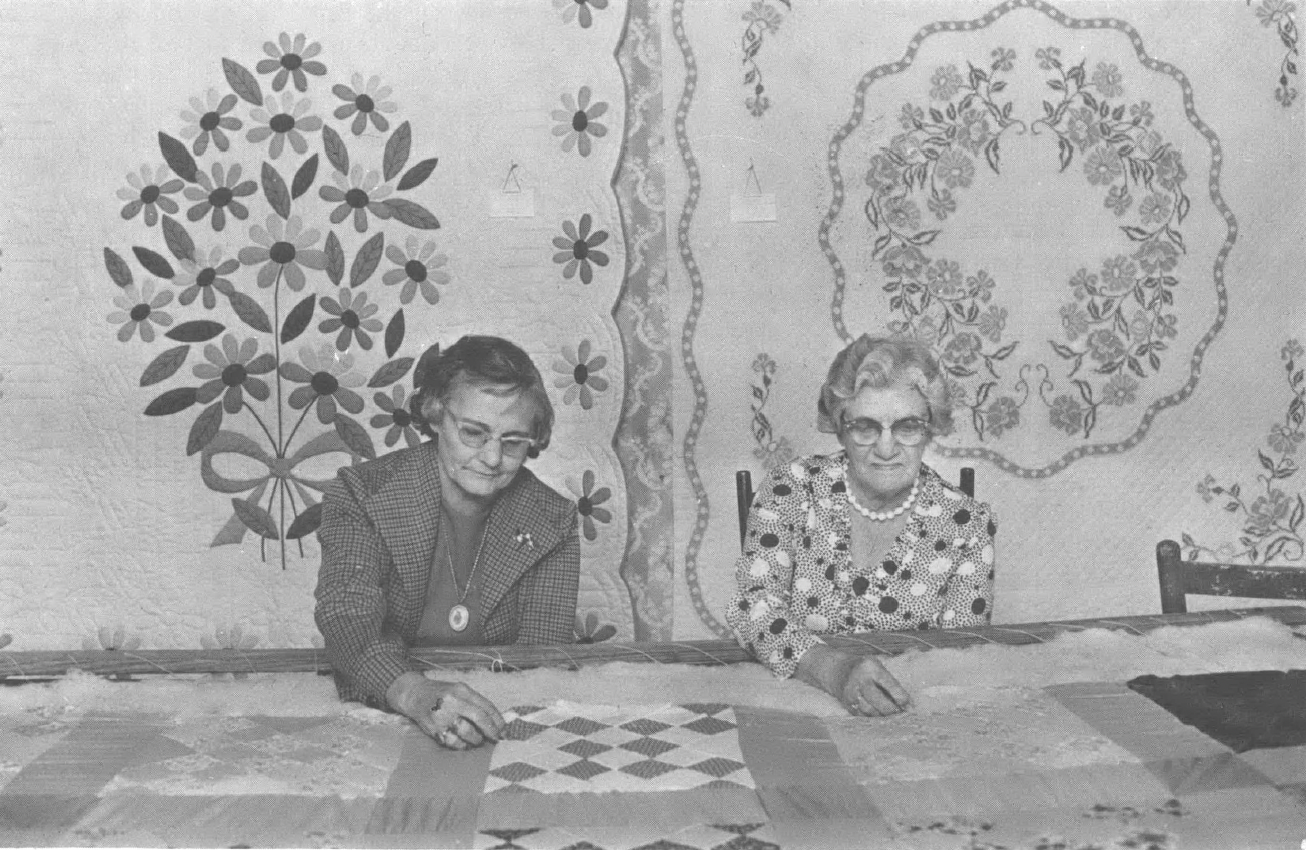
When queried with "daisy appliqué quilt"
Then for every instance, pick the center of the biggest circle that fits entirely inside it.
(576, 748)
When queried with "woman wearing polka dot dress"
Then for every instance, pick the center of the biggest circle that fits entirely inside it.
(867, 538)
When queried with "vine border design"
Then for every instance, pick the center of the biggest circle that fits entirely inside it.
(695, 190)
(1217, 157)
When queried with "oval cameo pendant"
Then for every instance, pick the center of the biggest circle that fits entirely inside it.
(459, 618)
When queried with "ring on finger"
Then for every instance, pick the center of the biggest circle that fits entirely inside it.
(449, 738)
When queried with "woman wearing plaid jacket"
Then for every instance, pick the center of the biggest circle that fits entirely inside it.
(450, 542)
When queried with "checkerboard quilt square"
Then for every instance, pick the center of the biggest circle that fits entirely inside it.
(579, 748)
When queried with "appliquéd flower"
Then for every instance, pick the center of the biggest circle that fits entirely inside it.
(328, 380)
(282, 248)
(149, 191)
(230, 373)
(364, 102)
(588, 500)
(577, 121)
(138, 310)
(351, 315)
(291, 59)
(219, 195)
(395, 417)
(419, 268)
(358, 193)
(577, 249)
(579, 374)
(206, 121)
(199, 278)
(287, 125)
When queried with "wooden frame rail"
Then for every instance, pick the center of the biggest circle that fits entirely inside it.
(507, 658)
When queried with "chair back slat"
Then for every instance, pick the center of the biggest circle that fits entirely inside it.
(744, 501)
(1179, 578)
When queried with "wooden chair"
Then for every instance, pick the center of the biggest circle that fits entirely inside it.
(744, 495)
(1179, 578)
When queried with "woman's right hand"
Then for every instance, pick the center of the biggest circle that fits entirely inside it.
(453, 714)
(861, 683)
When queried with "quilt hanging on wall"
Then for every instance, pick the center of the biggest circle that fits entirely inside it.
(238, 234)
(1047, 194)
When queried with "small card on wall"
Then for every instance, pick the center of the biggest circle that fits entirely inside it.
(749, 208)
(751, 204)
(512, 199)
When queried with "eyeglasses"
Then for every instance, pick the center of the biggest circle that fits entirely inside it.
(474, 437)
(909, 432)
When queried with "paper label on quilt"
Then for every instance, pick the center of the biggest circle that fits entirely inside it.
(520, 204)
(752, 208)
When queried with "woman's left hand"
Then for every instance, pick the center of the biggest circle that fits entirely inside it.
(859, 682)
(872, 691)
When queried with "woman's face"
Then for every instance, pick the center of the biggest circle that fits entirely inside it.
(482, 472)
(886, 468)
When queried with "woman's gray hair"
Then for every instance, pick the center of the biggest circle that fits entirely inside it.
(486, 362)
(881, 362)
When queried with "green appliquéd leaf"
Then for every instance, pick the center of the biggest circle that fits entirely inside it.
(200, 330)
(394, 333)
(298, 319)
(165, 365)
(242, 82)
(177, 157)
(274, 187)
(367, 259)
(417, 175)
(173, 401)
(177, 239)
(118, 269)
(397, 148)
(256, 519)
(154, 263)
(390, 372)
(250, 312)
(205, 428)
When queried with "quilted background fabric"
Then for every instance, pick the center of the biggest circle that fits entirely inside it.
(227, 230)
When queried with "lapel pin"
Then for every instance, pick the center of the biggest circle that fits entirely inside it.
(524, 539)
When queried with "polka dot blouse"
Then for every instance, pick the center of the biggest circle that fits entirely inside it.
(798, 579)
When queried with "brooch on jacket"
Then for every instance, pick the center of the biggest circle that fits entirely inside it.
(524, 538)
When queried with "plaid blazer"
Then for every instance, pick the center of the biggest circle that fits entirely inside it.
(378, 536)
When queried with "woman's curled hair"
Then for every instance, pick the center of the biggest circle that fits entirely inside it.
(881, 362)
(490, 363)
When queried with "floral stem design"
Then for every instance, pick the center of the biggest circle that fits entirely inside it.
(933, 299)
(769, 450)
(1272, 520)
(1279, 14)
(1124, 312)
(761, 18)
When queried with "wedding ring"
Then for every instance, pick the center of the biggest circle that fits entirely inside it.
(449, 738)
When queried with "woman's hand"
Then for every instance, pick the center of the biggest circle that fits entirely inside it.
(450, 712)
(859, 682)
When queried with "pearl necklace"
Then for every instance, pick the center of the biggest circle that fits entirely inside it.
(882, 516)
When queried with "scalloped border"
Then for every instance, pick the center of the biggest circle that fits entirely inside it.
(836, 205)
(691, 323)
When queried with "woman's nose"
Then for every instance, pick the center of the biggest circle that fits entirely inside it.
(885, 445)
(492, 453)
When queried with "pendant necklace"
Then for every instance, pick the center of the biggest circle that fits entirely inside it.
(459, 616)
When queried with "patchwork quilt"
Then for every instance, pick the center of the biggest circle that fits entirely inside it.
(1094, 764)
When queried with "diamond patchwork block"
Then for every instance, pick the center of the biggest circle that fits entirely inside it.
(577, 748)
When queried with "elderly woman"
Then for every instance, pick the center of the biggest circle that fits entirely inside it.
(867, 538)
(452, 542)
